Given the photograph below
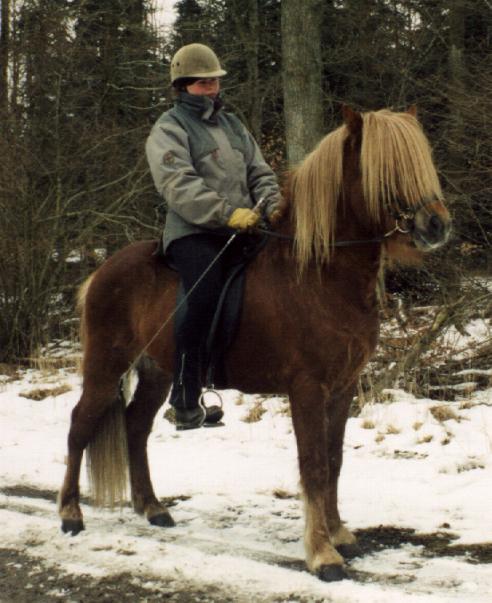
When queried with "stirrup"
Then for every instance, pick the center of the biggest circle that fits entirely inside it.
(214, 412)
(210, 390)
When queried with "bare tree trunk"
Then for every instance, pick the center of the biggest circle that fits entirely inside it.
(243, 17)
(253, 76)
(4, 54)
(301, 69)
(457, 92)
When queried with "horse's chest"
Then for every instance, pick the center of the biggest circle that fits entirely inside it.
(346, 343)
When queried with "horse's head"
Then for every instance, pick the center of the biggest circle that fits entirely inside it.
(388, 167)
(371, 179)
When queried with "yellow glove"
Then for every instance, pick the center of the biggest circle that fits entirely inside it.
(243, 218)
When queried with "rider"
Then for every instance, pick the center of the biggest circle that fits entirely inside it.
(211, 173)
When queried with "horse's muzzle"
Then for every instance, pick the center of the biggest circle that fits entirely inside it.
(431, 227)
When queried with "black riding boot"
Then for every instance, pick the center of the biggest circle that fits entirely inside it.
(186, 395)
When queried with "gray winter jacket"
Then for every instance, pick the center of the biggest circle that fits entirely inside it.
(205, 164)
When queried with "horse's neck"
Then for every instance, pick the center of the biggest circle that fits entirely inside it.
(352, 272)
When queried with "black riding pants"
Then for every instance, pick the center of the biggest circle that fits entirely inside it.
(192, 256)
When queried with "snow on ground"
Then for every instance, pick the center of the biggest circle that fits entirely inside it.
(238, 514)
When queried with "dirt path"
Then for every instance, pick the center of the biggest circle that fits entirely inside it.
(24, 580)
(26, 577)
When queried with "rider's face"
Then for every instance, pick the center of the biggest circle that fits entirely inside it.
(207, 86)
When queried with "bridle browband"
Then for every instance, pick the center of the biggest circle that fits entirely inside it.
(404, 217)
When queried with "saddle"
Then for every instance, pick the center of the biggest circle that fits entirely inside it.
(227, 314)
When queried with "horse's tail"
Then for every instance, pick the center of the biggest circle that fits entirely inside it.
(81, 298)
(107, 458)
(107, 451)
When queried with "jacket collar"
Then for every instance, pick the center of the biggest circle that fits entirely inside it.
(202, 107)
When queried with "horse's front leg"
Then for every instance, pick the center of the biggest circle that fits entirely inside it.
(337, 407)
(309, 417)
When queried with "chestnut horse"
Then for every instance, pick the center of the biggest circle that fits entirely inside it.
(309, 322)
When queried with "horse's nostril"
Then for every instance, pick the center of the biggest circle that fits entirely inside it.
(430, 231)
(436, 226)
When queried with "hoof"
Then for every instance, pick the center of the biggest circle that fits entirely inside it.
(72, 526)
(331, 573)
(163, 520)
(349, 551)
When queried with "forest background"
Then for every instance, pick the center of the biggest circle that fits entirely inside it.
(82, 82)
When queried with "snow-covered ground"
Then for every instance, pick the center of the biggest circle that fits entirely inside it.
(238, 513)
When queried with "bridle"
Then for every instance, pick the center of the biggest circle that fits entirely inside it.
(404, 223)
(403, 214)
(404, 217)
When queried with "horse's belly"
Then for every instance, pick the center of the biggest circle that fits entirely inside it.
(336, 359)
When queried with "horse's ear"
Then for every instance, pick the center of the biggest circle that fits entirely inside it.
(352, 119)
(412, 110)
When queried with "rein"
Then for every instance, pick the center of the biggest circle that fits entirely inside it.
(350, 243)
(279, 235)
(404, 222)
(404, 219)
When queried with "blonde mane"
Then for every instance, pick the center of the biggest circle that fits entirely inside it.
(395, 162)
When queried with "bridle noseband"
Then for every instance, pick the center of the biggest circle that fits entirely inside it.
(404, 216)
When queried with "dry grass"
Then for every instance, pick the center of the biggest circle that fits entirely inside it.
(392, 430)
(8, 374)
(444, 413)
(368, 424)
(239, 400)
(39, 394)
(10, 371)
(286, 410)
(470, 466)
(283, 494)
(53, 363)
(170, 415)
(255, 412)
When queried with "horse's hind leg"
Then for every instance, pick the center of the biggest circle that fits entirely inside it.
(337, 408)
(307, 403)
(150, 393)
(100, 391)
